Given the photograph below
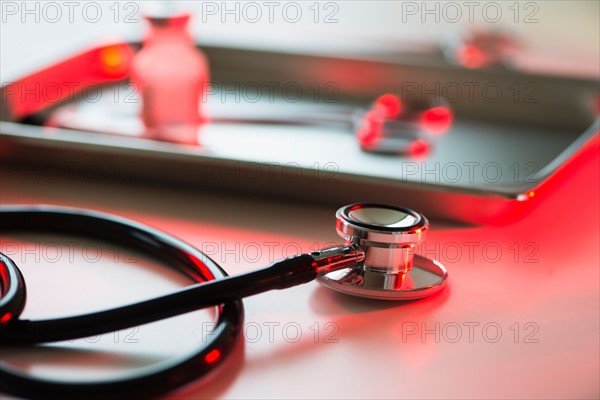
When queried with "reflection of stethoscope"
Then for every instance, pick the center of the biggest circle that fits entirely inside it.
(377, 262)
(389, 126)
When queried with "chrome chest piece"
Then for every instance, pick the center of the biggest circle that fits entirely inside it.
(389, 237)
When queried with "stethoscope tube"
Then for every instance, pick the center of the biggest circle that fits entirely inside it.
(282, 274)
(12, 288)
(145, 382)
(214, 288)
(188, 299)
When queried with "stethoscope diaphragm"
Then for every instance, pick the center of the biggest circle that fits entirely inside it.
(389, 236)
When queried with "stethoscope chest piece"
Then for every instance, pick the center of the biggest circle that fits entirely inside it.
(391, 270)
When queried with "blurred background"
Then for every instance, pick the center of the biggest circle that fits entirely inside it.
(353, 65)
(558, 37)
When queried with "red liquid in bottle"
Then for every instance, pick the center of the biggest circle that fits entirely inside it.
(170, 74)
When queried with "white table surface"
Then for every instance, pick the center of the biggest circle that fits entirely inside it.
(548, 293)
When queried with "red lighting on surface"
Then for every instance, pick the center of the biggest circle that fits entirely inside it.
(527, 195)
(5, 318)
(115, 59)
(418, 147)
(471, 56)
(437, 120)
(370, 132)
(389, 105)
(212, 356)
(53, 84)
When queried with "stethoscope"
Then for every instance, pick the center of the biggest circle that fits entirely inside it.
(378, 261)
